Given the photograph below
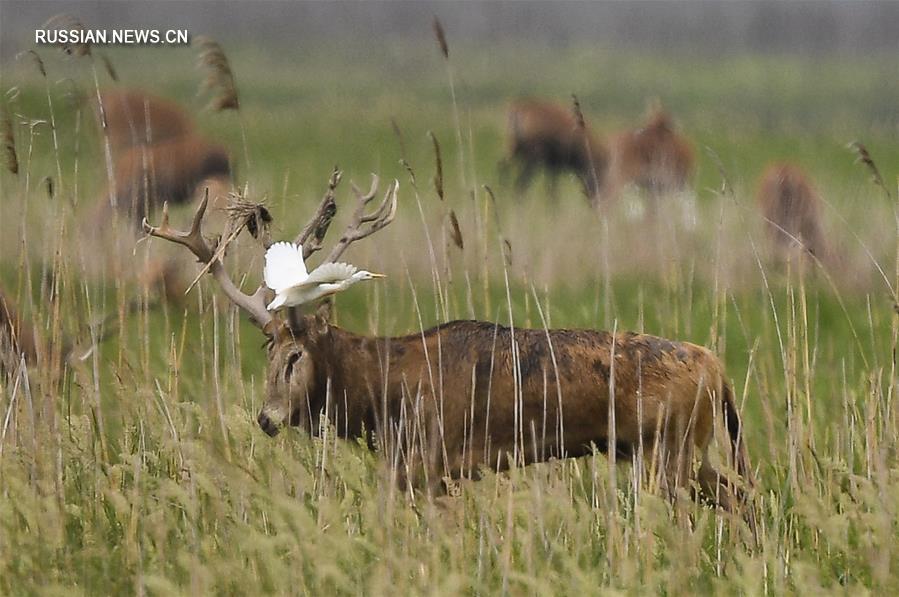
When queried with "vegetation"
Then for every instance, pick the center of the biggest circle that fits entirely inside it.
(140, 469)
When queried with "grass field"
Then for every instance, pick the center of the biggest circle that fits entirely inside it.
(143, 470)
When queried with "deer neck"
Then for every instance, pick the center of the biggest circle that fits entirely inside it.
(347, 367)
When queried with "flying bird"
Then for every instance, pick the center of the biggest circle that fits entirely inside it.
(285, 273)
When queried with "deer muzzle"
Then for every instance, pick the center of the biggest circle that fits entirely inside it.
(270, 426)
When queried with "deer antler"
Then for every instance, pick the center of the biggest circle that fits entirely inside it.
(318, 225)
(365, 224)
(253, 304)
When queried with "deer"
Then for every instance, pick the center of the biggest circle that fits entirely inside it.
(464, 396)
(654, 157)
(791, 207)
(176, 170)
(133, 117)
(157, 154)
(547, 135)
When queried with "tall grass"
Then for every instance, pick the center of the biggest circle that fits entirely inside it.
(140, 469)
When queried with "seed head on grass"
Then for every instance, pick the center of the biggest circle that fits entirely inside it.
(438, 174)
(10, 158)
(863, 156)
(66, 22)
(36, 58)
(110, 69)
(440, 34)
(219, 77)
(578, 114)
(399, 136)
(455, 230)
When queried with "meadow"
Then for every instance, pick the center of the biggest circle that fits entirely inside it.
(141, 469)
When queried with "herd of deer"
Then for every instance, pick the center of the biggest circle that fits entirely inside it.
(447, 401)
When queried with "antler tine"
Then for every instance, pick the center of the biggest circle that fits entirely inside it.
(313, 234)
(365, 224)
(193, 239)
(365, 199)
(253, 304)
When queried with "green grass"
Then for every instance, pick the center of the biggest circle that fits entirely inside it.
(144, 471)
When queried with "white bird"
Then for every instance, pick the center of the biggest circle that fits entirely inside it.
(285, 273)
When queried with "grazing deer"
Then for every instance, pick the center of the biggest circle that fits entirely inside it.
(791, 207)
(173, 171)
(133, 117)
(543, 134)
(157, 154)
(471, 394)
(654, 157)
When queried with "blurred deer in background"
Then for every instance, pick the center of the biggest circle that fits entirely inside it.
(792, 210)
(469, 394)
(549, 136)
(157, 156)
(655, 157)
(157, 153)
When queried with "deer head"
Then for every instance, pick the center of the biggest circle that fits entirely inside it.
(294, 366)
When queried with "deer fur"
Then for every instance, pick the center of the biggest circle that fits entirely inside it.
(157, 154)
(791, 207)
(469, 394)
(549, 136)
(476, 398)
(175, 171)
(655, 157)
(134, 117)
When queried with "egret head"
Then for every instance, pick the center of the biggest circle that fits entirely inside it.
(293, 384)
(366, 275)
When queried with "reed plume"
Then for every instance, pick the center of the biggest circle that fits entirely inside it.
(10, 158)
(219, 76)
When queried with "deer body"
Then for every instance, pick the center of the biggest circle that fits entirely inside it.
(484, 394)
(134, 117)
(173, 170)
(543, 134)
(468, 394)
(157, 153)
(791, 207)
(654, 157)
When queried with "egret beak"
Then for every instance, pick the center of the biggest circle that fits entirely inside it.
(377, 275)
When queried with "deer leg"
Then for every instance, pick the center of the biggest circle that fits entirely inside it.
(677, 456)
(503, 168)
(528, 169)
(552, 184)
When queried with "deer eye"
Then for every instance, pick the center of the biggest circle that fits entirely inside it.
(291, 361)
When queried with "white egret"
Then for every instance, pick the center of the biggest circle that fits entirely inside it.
(285, 273)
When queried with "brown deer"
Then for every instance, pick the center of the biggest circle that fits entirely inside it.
(469, 394)
(157, 155)
(792, 210)
(174, 171)
(547, 135)
(134, 117)
(655, 157)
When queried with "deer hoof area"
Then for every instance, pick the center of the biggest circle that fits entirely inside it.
(267, 425)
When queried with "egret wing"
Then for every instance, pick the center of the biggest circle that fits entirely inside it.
(284, 266)
(329, 273)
